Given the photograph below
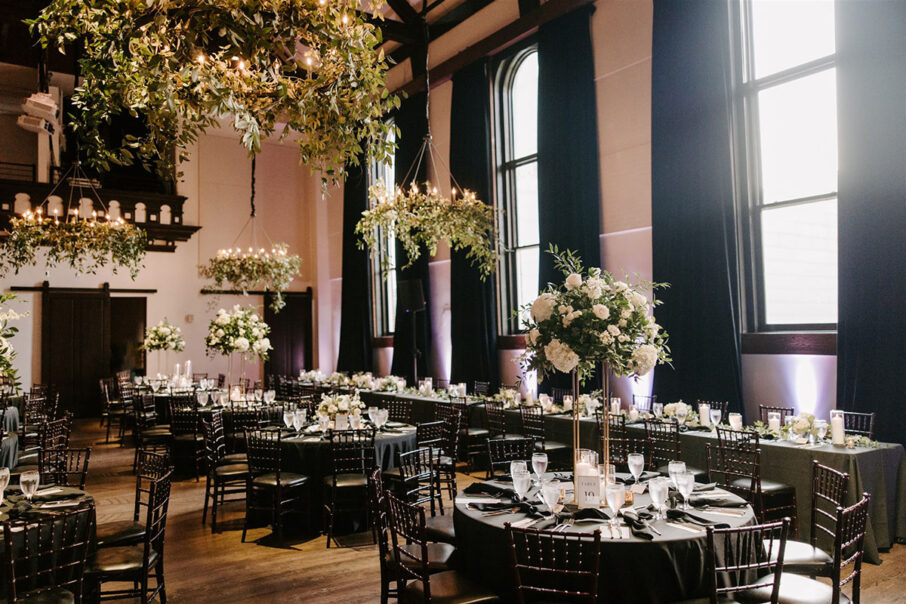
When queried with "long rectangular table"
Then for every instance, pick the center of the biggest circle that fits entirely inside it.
(879, 471)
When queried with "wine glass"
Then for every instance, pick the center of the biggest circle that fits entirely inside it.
(616, 496)
(685, 483)
(371, 413)
(681, 412)
(673, 469)
(518, 465)
(202, 398)
(658, 488)
(4, 482)
(323, 422)
(28, 481)
(657, 409)
(636, 462)
(270, 396)
(539, 464)
(821, 427)
(288, 417)
(155, 385)
(355, 421)
(715, 418)
(522, 480)
(550, 494)
(299, 418)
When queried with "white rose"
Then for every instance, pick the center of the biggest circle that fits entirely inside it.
(573, 281)
(165, 331)
(219, 333)
(605, 338)
(621, 323)
(625, 313)
(638, 300)
(561, 356)
(601, 311)
(343, 405)
(623, 337)
(543, 306)
(222, 319)
(614, 330)
(241, 344)
(255, 332)
(533, 336)
(620, 286)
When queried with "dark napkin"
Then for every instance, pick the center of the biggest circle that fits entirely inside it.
(698, 488)
(698, 428)
(694, 519)
(591, 514)
(486, 488)
(727, 500)
(525, 507)
(628, 479)
(638, 527)
(503, 478)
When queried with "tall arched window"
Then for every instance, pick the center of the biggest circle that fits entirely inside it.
(516, 117)
(383, 260)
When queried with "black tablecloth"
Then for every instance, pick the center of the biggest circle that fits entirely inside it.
(667, 569)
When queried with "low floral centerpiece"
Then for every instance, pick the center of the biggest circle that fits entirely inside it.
(588, 405)
(240, 330)
(315, 376)
(390, 383)
(802, 425)
(510, 398)
(332, 404)
(363, 381)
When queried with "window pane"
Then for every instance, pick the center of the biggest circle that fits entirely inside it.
(798, 127)
(527, 204)
(390, 310)
(799, 246)
(525, 107)
(526, 276)
(787, 33)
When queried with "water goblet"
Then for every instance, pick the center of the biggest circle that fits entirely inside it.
(518, 465)
(821, 427)
(371, 413)
(522, 480)
(4, 482)
(298, 421)
(550, 494)
(681, 412)
(685, 483)
(288, 417)
(202, 398)
(636, 462)
(659, 488)
(28, 482)
(715, 418)
(270, 396)
(616, 496)
(607, 473)
(539, 464)
(673, 469)
(323, 422)
(259, 394)
(657, 409)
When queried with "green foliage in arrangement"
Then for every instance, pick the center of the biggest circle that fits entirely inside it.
(9, 373)
(311, 69)
(252, 270)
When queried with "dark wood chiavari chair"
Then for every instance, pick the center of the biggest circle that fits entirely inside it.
(861, 424)
(644, 403)
(187, 440)
(148, 436)
(742, 562)
(223, 480)
(533, 427)
(127, 395)
(418, 483)
(621, 444)
(241, 420)
(352, 456)
(558, 394)
(221, 380)
(114, 410)
(419, 580)
(472, 438)
(496, 420)
(197, 377)
(44, 556)
(554, 567)
(399, 410)
(64, 467)
(137, 565)
(380, 528)
(501, 451)
(784, 412)
(151, 467)
(663, 446)
(269, 489)
(440, 527)
(441, 383)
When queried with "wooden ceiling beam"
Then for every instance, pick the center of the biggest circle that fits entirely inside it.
(404, 11)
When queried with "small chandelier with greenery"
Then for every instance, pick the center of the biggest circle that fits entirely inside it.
(308, 69)
(85, 242)
(255, 267)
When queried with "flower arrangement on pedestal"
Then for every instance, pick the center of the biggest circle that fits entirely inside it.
(332, 404)
(241, 330)
(7, 353)
(163, 336)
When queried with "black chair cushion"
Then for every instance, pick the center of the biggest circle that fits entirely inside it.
(287, 480)
(439, 557)
(794, 589)
(440, 528)
(345, 481)
(553, 445)
(119, 533)
(768, 487)
(52, 596)
(803, 559)
(113, 561)
(474, 433)
(450, 587)
(233, 458)
(187, 438)
(234, 471)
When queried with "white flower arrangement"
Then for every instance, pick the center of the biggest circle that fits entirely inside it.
(241, 330)
(670, 409)
(588, 405)
(315, 376)
(363, 381)
(592, 319)
(802, 424)
(390, 383)
(332, 404)
(338, 379)
(7, 352)
(164, 336)
(509, 397)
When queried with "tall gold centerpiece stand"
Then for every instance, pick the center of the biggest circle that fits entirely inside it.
(605, 427)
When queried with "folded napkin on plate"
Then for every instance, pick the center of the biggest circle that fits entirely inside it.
(628, 479)
(58, 496)
(486, 488)
(391, 430)
(694, 519)
(698, 488)
(688, 428)
(591, 514)
(525, 507)
(724, 500)
(638, 527)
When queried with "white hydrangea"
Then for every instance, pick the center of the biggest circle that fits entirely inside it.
(543, 307)
(561, 356)
(533, 337)
(644, 358)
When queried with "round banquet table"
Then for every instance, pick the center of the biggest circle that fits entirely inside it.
(669, 568)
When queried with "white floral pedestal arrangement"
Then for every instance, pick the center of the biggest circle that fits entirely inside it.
(238, 331)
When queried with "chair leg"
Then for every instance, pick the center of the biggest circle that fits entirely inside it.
(160, 581)
(207, 494)
(217, 486)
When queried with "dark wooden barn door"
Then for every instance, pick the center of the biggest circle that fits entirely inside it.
(75, 347)
(291, 334)
(127, 332)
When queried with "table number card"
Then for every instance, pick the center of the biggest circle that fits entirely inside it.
(588, 491)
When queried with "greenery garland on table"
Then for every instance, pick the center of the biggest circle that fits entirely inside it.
(422, 217)
(85, 245)
(182, 66)
(247, 271)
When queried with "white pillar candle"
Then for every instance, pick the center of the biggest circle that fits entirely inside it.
(529, 398)
(838, 433)
(189, 369)
(615, 405)
(633, 413)
(704, 414)
(176, 371)
(736, 421)
(774, 422)
(585, 469)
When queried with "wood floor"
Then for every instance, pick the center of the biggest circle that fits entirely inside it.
(205, 567)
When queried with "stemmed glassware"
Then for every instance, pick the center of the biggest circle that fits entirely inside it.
(518, 465)
(821, 427)
(616, 496)
(155, 385)
(685, 483)
(29, 481)
(675, 468)
(4, 482)
(550, 494)
(270, 396)
(259, 395)
(522, 480)
(657, 409)
(659, 488)
(681, 413)
(355, 421)
(372, 413)
(299, 417)
(288, 416)
(202, 397)
(636, 463)
(323, 422)
(539, 464)
(715, 418)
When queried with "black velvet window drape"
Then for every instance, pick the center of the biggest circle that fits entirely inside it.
(692, 207)
(871, 331)
(473, 302)
(413, 125)
(355, 306)
(568, 184)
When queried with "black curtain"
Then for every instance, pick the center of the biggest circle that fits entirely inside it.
(871, 91)
(413, 125)
(692, 206)
(355, 307)
(473, 302)
(569, 206)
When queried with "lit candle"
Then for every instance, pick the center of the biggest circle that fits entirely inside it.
(615, 404)
(633, 413)
(838, 432)
(774, 422)
(735, 421)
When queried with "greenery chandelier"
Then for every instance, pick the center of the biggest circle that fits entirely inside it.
(307, 69)
(254, 267)
(85, 241)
